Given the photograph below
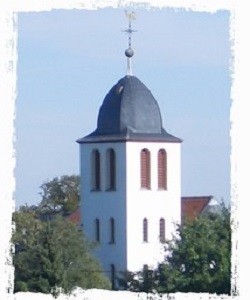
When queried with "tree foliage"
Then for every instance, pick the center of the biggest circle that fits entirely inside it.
(197, 259)
(51, 255)
(60, 194)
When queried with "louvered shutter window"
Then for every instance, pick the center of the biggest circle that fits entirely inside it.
(145, 169)
(162, 230)
(162, 169)
(112, 230)
(145, 230)
(96, 170)
(97, 230)
(111, 169)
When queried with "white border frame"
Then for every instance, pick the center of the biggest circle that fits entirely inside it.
(239, 121)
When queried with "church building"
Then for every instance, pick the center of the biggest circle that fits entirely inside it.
(130, 170)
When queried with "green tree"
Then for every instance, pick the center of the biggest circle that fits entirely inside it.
(51, 255)
(60, 194)
(197, 259)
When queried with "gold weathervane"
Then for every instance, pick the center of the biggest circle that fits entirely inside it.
(130, 15)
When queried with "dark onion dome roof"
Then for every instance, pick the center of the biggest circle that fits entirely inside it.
(129, 112)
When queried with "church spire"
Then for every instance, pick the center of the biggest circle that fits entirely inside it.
(129, 52)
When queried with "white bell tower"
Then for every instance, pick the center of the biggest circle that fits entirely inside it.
(130, 179)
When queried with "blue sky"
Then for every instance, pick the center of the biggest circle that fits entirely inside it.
(69, 59)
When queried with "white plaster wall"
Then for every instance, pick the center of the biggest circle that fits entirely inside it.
(95, 294)
(129, 204)
(104, 205)
(152, 204)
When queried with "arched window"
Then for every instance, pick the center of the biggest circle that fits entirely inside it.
(162, 230)
(112, 230)
(145, 230)
(97, 230)
(111, 169)
(113, 276)
(162, 169)
(145, 169)
(96, 170)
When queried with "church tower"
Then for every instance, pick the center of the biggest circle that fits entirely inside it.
(130, 178)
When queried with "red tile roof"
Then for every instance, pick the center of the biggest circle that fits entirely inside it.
(192, 207)
(75, 217)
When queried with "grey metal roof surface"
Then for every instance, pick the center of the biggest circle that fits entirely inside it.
(129, 112)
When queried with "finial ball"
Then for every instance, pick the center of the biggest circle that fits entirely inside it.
(129, 52)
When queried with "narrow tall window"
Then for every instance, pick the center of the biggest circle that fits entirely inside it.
(113, 275)
(112, 230)
(96, 170)
(145, 230)
(111, 169)
(145, 169)
(162, 230)
(97, 230)
(162, 169)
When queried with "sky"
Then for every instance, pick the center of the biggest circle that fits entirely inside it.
(69, 59)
